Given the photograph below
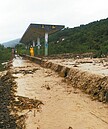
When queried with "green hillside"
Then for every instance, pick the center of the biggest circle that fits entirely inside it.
(5, 51)
(5, 55)
(92, 37)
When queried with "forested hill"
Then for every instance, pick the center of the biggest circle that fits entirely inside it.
(92, 37)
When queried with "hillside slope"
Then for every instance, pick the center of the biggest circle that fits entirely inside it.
(11, 43)
(92, 37)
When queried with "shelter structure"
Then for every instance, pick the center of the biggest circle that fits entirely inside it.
(36, 31)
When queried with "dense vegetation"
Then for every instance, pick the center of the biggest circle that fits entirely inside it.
(92, 37)
(5, 55)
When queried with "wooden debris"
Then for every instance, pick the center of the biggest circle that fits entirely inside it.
(10, 104)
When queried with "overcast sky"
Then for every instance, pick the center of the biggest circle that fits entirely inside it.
(16, 15)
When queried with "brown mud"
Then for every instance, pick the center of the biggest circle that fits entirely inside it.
(93, 84)
(12, 105)
(35, 97)
(65, 106)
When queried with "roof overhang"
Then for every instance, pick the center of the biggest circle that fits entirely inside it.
(38, 30)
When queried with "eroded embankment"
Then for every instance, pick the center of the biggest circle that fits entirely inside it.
(94, 85)
(12, 106)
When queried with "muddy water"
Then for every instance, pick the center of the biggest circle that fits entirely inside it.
(63, 107)
(18, 62)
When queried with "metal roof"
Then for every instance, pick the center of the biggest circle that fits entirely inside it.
(39, 30)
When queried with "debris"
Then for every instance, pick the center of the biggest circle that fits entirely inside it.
(107, 96)
(24, 103)
(48, 88)
(7, 121)
(75, 65)
(70, 127)
(23, 71)
(10, 104)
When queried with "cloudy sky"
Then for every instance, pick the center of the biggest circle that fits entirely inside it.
(16, 15)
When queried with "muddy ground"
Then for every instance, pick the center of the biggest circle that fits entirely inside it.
(60, 105)
(12, 105)
(97, 66)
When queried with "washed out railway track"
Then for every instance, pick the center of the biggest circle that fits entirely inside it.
(42, 94)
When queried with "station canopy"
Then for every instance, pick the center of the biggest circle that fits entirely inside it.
(38, 30)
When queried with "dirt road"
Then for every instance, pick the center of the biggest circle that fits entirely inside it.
(64, 107)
